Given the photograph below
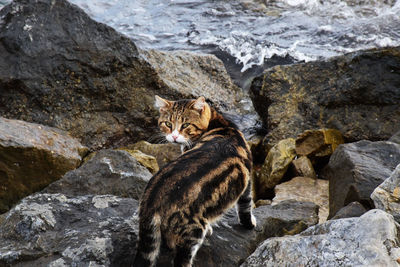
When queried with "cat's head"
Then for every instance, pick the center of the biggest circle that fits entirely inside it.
(183, 121)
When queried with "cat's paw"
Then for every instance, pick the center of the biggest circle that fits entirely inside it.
(250, 222)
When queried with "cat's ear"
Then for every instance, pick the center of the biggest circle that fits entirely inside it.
(162, 104)
(199, 103)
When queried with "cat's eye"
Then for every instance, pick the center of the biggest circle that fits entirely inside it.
(168, 124)
(185, 125)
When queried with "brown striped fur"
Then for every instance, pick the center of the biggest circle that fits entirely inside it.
(187, 195)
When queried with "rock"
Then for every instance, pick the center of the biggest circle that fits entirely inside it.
(318, 143)
(164, 153)
(387, 195)
(230, 244)
(356, 93)
(395, 138)
(148, 161)
(354, 209)
(275, 166)
(305, 189)
(31, 157)
(302, 166)
(55, 230)
(369, 240)
(61, 68)
(113, 172)
(356, 169)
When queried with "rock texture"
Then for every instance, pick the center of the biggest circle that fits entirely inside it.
(356, 169)
(101, 230)
(387, 195)
(356, 93)
(164, 153)
(31, 157)
(370, 240)
(318, 143)
(305, 189)
(113, 172)
(61, 68)
(354, 209)
(55, 230)
(302, 166)
(275, 166)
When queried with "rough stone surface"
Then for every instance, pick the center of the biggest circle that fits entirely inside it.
(370, 240)
(356, 169)
(305, 189)
(113, 172)
(55, 230)
(302, 166)
(354, 209)
(31, 157)
(230, 244)
(148, 161)
(275, 166)
(387, 195)
(357, 93)
(318, 143)
(395, 138)
(164, 153)
(61, 68)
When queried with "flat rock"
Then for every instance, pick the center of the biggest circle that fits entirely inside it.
(387, 195)
(90, 80)
(55, 230)
(318, 143)
(114, 172)
(354, 209)
(305, 189)
(31, 157)
(356, 169)
(357, 94)
(369, 240)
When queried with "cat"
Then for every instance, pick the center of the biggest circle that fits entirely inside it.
(182, 200)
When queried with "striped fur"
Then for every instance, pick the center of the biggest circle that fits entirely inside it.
(182, 200)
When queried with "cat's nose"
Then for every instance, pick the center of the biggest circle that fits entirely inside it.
(175, 137)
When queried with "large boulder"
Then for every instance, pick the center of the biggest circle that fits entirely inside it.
(31, 157)
(357, 93)
(61, 68)
(356, 169)
(369, 240)
(114, 172)
(55, 230)
(387, 195)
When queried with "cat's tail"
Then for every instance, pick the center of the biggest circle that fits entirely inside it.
(149, 242)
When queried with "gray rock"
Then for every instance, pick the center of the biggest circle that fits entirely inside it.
(55, 230)
(61, 68)
(114, 172)
(354, 209)
(357, 94)
(356, 169)
(369, 240)
(386, 196)
(31, 157)
(230, 243)
(395, 138)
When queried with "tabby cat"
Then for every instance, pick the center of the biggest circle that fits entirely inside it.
(187, 195)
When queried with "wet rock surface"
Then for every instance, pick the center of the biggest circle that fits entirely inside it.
(356, 94)
(31, 157)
